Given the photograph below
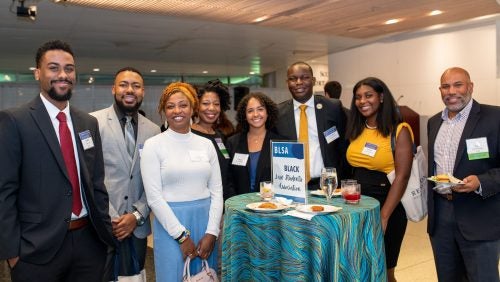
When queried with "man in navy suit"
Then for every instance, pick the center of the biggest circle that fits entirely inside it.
(464, 220)
(326, 123)
(54, 218)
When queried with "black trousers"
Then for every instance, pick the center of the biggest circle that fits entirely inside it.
(375, 184)
(80, 258)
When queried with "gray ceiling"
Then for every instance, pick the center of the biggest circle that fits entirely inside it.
(188, 37)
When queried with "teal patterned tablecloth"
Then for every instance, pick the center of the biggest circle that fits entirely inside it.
(344, 246)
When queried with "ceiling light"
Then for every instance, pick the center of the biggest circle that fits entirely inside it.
(435, 13)
(205, 71)
(392, 21)
(152, 70)
(260, 19)
(96, 69)
(252, 72)
(91, 80)
(32, 68)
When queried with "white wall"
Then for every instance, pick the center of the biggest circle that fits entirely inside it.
(412, 67)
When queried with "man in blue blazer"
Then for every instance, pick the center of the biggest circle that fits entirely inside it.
(54, 218)
(464, 221)
(326, 123)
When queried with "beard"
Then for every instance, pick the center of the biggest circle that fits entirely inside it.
(58, 97)
(126, 108)
(457, 107)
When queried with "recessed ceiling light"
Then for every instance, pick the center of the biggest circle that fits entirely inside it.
(252, 72)
(96, 69)
(205, 71)
(32, 68)
(392, 21)
(153, 70)
(435, 13)
(260, 19)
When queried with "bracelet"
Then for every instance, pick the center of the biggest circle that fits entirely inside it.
(185, 234)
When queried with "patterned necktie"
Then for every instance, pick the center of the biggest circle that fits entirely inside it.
(129, 136)
(304, 138)
(69, 159)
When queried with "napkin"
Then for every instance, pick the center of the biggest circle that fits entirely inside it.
(298, 214)
(284, 201)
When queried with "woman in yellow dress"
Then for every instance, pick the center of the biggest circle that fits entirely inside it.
(373, 119)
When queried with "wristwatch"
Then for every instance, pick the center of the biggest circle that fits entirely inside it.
(140, 219)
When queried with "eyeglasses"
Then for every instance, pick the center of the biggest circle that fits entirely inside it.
(294, 79)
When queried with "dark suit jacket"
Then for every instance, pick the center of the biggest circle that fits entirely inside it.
(329, 112)
(35, 191)
(240, 175)
(477, 217)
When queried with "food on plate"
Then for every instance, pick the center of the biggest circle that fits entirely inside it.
(442, 177)
(338, 190)
(268, 206)
(446, 178)
(317, 208)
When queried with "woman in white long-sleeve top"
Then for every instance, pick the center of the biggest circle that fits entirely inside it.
(182, 180)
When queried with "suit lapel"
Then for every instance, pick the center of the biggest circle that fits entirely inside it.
(289, 117)
(42, 119)
(116, 131)
(468, 129)
(433, 131)
(79, 126)
(321, 125)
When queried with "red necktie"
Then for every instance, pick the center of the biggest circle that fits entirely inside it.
(69, 159)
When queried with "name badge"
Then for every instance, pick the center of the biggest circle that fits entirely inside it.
(222, 148)
(197, 156)
(141, 146)
(331, 134)
(240, 159)
(477, 148)
(86, 139)
(369, 149)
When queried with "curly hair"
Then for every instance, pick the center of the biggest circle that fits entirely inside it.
(52, 45)
(220, 89)
(271, 109)
(388, 116)
(175, 87)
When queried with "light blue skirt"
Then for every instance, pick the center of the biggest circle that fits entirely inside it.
(167, 252)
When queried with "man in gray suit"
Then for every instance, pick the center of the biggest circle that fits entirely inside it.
(123, 133)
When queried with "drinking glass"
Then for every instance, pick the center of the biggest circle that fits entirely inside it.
(266, 190)
(351, 192)
(328, 181)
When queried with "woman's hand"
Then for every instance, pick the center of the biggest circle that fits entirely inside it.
(188, 249)
(206, 246)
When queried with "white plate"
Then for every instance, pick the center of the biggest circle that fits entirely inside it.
(255, 207)
(326, 209)
(320, 193)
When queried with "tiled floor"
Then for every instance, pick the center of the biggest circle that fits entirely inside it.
(416, 262)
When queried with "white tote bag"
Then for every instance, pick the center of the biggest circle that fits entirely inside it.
(414, 199)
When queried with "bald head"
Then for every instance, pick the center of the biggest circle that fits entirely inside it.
(455, 70)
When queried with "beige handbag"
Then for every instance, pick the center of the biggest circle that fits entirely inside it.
(206, 274)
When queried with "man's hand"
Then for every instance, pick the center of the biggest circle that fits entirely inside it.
(123, 226)
(12, 262)
(471, 184)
